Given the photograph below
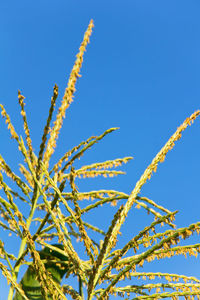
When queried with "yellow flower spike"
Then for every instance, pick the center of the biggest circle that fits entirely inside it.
(68, 96)
(26, 128)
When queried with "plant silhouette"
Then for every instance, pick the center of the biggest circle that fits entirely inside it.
(59, 217)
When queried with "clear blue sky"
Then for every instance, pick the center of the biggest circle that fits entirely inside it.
(141, 73)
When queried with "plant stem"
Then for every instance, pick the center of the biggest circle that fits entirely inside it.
(23, 242)
(80, 287)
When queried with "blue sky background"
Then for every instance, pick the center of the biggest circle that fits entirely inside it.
(141, 73)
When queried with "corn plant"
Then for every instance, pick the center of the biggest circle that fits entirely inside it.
(60, 218)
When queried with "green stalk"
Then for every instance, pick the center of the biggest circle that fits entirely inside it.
(23, 242)
(80, 287)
